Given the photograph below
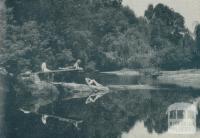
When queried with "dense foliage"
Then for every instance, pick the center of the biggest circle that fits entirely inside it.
(104, 34)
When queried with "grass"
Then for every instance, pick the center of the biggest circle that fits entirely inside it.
(184, 78)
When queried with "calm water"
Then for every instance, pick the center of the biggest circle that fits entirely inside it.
(120, 114)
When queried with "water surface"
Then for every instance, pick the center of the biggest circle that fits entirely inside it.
(120, 114)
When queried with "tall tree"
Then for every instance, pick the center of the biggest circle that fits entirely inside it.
(197, 35)
(149, 12)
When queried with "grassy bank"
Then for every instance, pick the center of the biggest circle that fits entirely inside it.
(184, 78)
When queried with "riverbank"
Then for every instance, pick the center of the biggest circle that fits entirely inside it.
(183, 78)
(123, 72)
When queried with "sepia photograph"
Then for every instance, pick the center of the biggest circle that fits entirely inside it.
(100, 68)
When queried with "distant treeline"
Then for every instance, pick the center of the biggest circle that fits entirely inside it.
(104, 34)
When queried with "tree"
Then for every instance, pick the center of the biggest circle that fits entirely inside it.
(149, 12)
(102, 33)
(197, 34)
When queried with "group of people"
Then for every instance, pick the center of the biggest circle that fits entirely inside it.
(75, 66)
(97, 87)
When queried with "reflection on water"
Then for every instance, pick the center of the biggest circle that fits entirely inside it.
(182, 118)
(140, 131)
(126, 114)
